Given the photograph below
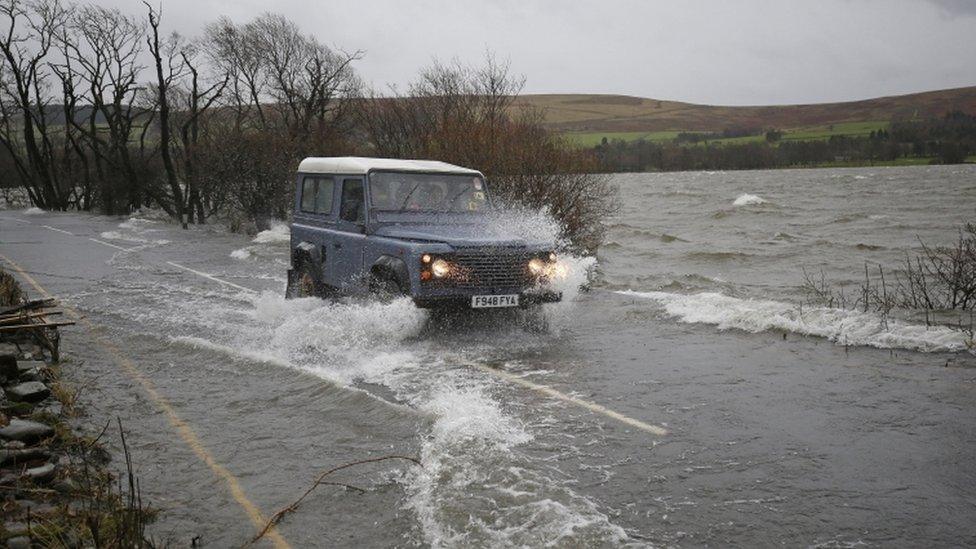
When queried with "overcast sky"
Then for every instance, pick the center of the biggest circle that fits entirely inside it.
(729, 53)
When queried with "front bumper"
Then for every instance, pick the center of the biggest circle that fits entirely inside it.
(527, 298)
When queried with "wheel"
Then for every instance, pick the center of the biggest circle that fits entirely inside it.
(385, 287)
(302, 282)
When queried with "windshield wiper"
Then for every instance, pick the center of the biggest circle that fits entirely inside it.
(407, 198)
(450, 204)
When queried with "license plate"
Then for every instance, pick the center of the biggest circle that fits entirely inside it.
(485, 301)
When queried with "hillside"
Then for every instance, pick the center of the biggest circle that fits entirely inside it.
(583, 114)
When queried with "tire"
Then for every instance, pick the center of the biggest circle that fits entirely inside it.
(303, 283)
(385, 287)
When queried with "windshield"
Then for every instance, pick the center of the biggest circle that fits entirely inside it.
(421, 192)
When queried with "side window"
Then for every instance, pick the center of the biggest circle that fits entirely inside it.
(309, 186)
(317, 195)
(353, 207)
(323, 200)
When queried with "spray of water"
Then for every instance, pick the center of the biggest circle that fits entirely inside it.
(480, 484)
(843, 326)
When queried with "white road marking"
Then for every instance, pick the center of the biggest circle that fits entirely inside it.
(16, 220)
(548, 391)
(591, 406)
(58, 230)
(211, 277)
(62, 231)
(109, 244)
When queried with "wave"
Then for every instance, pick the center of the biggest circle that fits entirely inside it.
(668, 238)
(861, 246)
(277, 234)
(265, 243)
(842, 326)
(631, 230)
(850, 217)
(680, 192)
(137, 224)
(115, 235)
(747, 199)
(718, 256)
(136, 230)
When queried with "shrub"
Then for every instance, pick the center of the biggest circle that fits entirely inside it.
(940, 279)
(255, 170)
(465, 115)
(10, 293)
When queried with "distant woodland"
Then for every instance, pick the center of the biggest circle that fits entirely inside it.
(102, 110)
(950, 139)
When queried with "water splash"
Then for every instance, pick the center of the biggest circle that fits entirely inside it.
(277, 234)
(267, 242)
(843, 326)
(749, 200)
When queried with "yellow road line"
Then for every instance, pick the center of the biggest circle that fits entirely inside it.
(186, 432)
(591, 406)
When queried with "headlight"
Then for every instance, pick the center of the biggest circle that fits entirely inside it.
(547, 268)
(440, 268)
(536, 266)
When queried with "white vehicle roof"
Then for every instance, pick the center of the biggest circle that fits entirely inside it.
(362, 165)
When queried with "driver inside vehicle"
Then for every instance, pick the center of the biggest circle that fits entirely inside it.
(432, 196)
(406, 197)
(382, 196)
(353, 199)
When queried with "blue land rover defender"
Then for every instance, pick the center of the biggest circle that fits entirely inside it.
(419, 228)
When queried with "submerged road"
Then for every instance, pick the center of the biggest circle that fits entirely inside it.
(616, 425)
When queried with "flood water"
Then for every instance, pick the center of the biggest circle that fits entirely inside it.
(787, 424)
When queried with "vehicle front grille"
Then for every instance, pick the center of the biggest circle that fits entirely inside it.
(489, 268)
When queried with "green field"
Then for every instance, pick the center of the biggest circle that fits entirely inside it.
(849, 129)
(810, 133)
(904, 161)
(592, 139)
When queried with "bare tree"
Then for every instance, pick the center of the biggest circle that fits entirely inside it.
(26, 43)
(74, 145)
(235, 50)
(166, 53)
(198, 98)
(106, 51)
(304, 76)
(465, 115)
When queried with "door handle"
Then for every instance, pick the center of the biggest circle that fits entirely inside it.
(337, 245)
